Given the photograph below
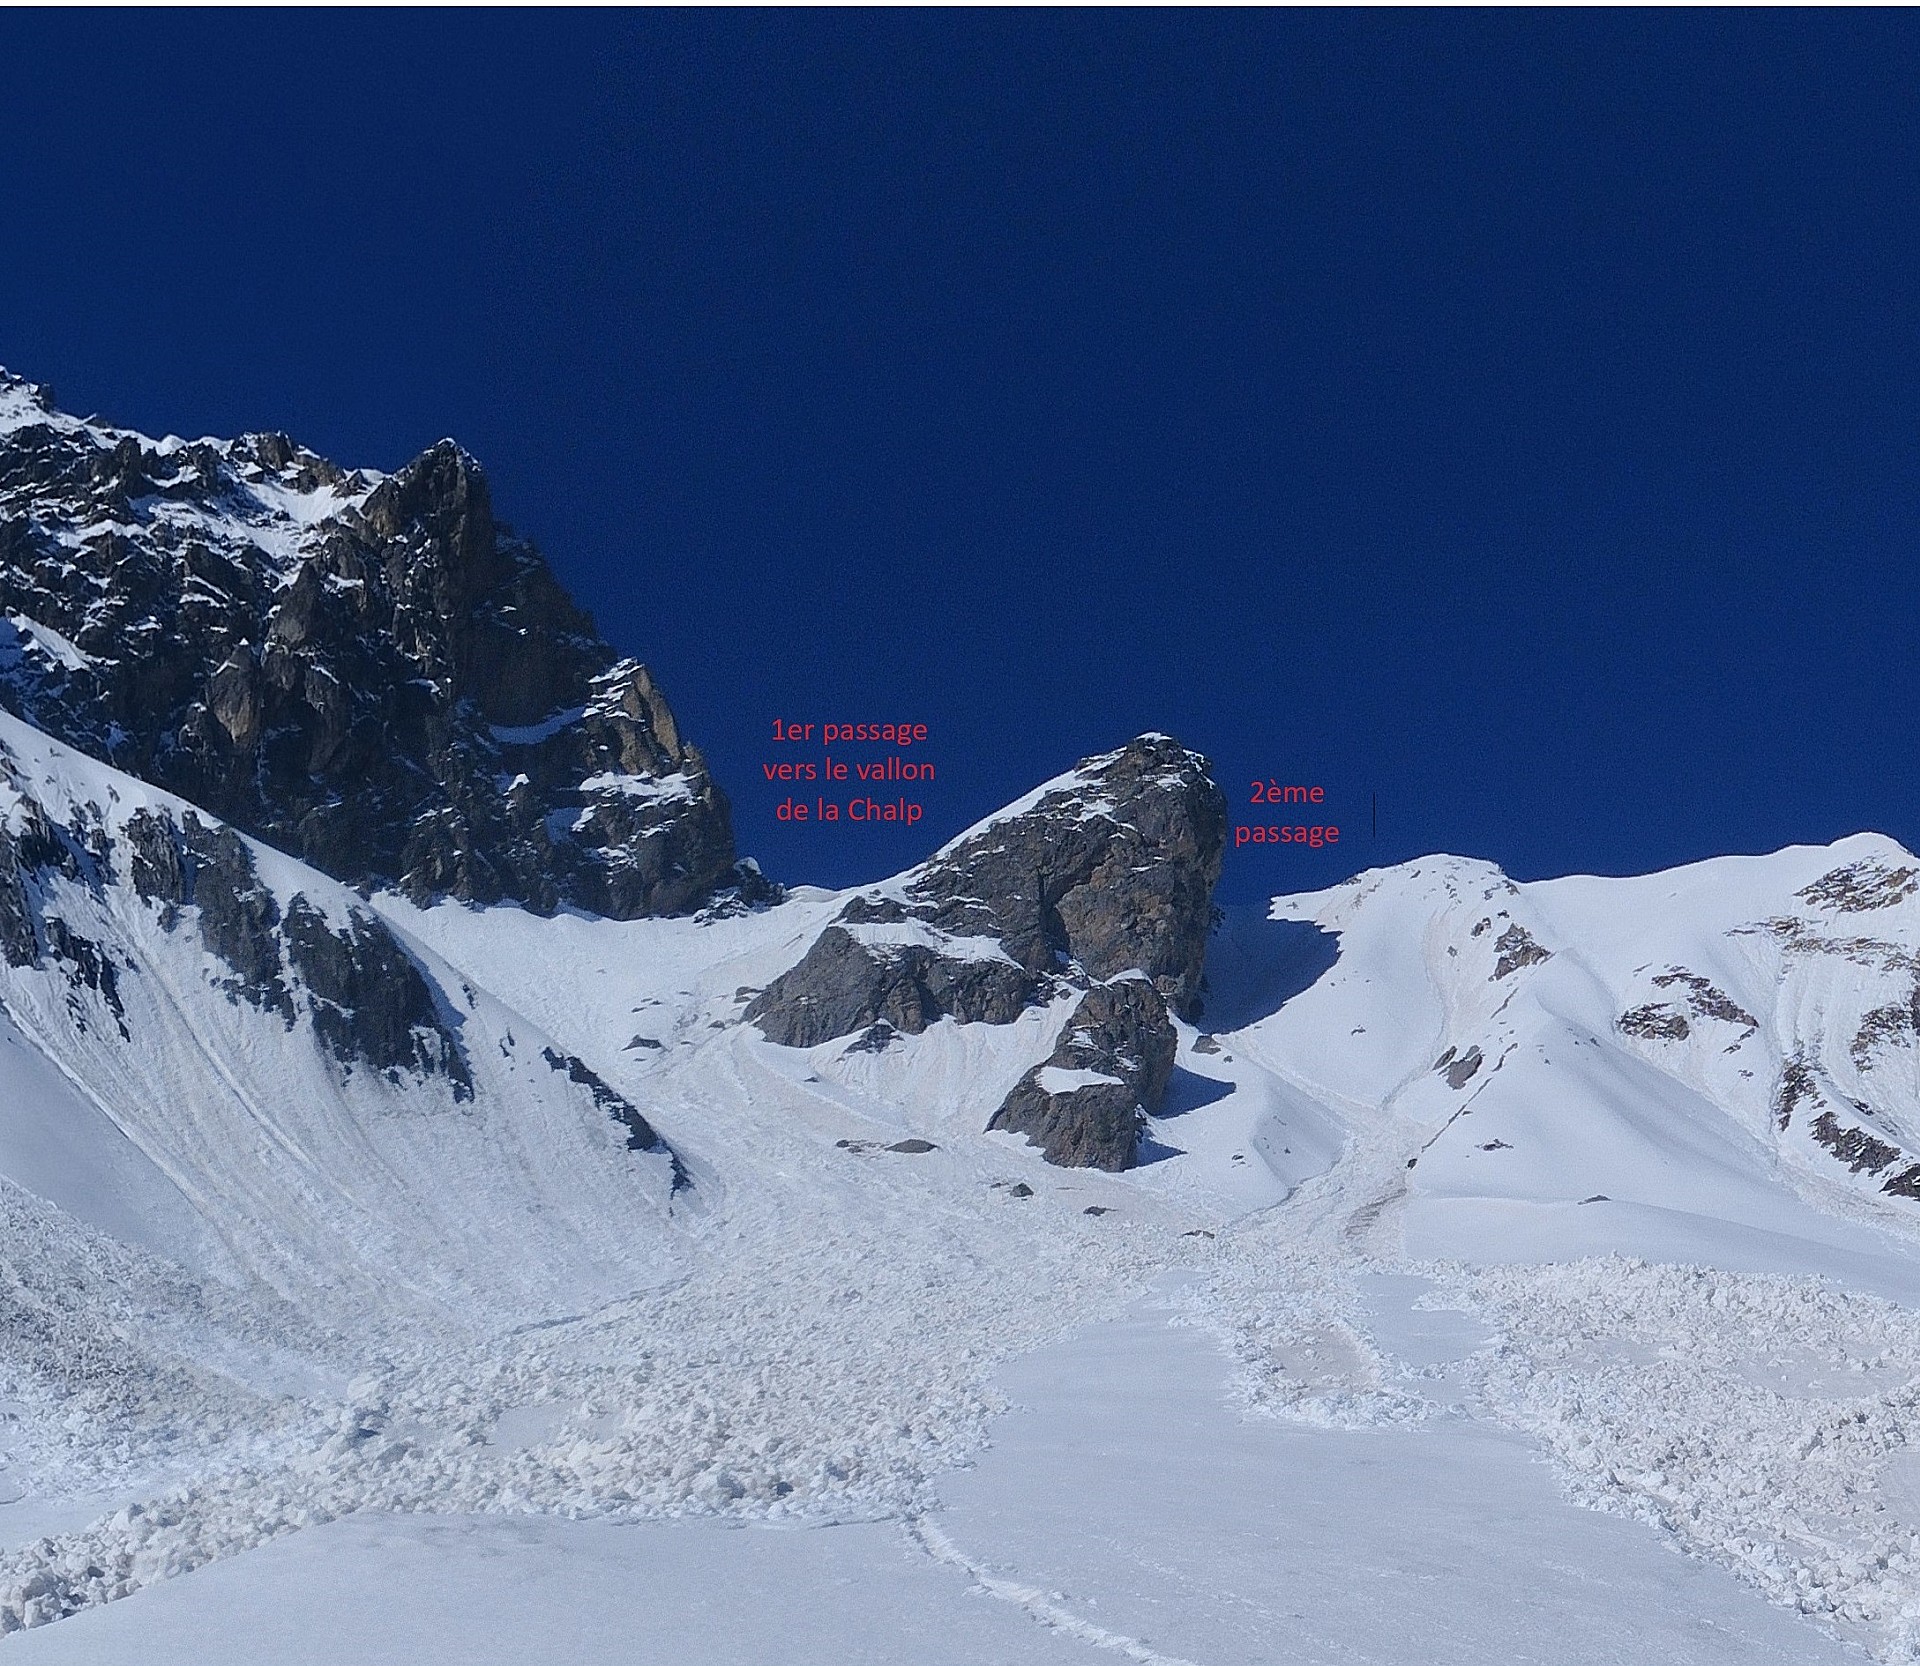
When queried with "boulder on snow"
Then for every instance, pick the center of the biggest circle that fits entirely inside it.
(1084, 1105)
(850, 982)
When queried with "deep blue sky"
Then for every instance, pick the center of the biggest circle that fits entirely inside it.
(1511, 414)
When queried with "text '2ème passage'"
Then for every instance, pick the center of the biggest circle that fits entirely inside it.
(865, 785)
(1288, 814)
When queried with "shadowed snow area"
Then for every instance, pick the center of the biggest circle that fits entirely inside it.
(1256, 964)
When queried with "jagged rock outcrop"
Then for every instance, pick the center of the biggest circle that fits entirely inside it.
(846, 983)
(1102, 880)
(369, 1002)
(210, 869)
(35, 852)
(19, 938)
(372, 673)
(640, 1134)
(1084, 1105)
(1108, 869)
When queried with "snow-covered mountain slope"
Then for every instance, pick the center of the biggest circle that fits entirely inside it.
(264, 1086)
(311, 1207)
(1602, 1062)
(658, 1006)
(317, 1202)
(1604, 1128)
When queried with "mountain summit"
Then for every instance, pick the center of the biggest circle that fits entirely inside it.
(369, 671)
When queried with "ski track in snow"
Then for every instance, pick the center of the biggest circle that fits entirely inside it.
(1033, 1601)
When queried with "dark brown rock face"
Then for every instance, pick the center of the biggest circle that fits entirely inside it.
(372, 673)
(1103, 883)
(845, 985)
(1083, 1105)
(1110, 870)
(35, 854)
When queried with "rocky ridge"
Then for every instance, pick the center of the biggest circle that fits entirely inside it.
(368, 671)
(374, 674)
(1101, 881)
(370, 1005)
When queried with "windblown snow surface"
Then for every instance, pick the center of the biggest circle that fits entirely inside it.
(1520, 1272)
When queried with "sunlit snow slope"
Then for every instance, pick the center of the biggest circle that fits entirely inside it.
(1584, 1064)
(319, 1203)
(154, 1093)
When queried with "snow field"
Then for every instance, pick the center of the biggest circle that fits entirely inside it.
(1744, 1378)
(769, 1386)
(823, 1353)
(294, 1295)
(1752, 1417)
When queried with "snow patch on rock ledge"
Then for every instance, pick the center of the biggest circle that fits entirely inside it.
(1053, 1079)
